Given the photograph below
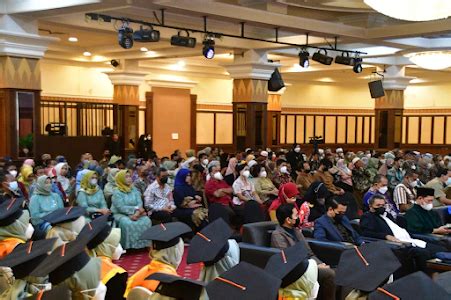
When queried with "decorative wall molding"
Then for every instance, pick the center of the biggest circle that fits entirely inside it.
(393, 99)
(126, 94)
(214, 107)
(126, 77)
(20, 72)
(255, 70)
(75, 99)
(172, 84)
(250, 90)
(327, 111)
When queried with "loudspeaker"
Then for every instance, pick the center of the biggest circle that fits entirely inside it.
(376, 89)
(275, 83)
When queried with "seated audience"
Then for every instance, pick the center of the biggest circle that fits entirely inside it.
(110, 185)
(404, 193)
(439, 185)
(158, 198)
(243, 188)
(304, 177)
(91, 196)
(281, 174)
(264, 187)
(395, 174)
(315, 197)
(380, 187)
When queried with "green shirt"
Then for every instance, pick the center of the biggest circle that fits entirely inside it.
(420, 220)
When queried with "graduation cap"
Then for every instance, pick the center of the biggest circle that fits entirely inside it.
(288, 265)
(95, 232)
(27, 257)
(444, 280)
(424, 192)
(210, 244)
(10, 211)
(367, 267)
(165, 235)
(244, 281)
(64, 215)
(416, 286)
(177, 287)
(60, 292)
(63, 262)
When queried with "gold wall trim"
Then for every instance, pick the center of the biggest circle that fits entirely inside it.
(76, 99)
(215, 107)
(326, 111)
(20, 73)
(427, 111)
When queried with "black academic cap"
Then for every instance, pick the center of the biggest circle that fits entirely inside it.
(95, 232)
(366, 267)
(10, 211)
(27, 257)
(60, 292)
(444, 280)
(165, 235)
(177, 287)
(289, 265)
(64, 215)
(416, 286)
(244, 281)
(424, 192)
(210, 244)
(63, 262)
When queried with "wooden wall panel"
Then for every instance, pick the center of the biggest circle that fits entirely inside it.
(224, 128)
(351, 130)
(283, 124)
(290, 129)
(205, 128)
(309, 127)
(412, 134)
(439, 127)
(330, 129)
(426, 130)
(341, 129)
(300, 130)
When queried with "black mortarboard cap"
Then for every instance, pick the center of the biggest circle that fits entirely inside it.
(444, 280)
(424, 192)
(95, 232)
(165, 235)
(210, 244)
(244, 281)
(63, 215)
(289, 265)
(63, 262)
(60, 292)
(177, 287)
(366, 267)
(416, 286)
(27, 257)
(10, 211)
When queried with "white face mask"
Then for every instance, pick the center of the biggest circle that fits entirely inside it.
(78, 225)
(205, 162)
(29, 231)
(93, 181)
(246, 173)
(383, 189)
(263, 174)
(297, 149)
(218, 176)
(99, 292)
(179, 249)
(413, 183)
(284, 170)
(13, 172)
(13, 186)
(117, 252)
(428, 206)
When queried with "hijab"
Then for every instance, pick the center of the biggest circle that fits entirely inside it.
(111, 182)
(171, 256)
(180, 178)
(109, 245)
(120, 182)
(231, 167)
(42, 188)
(304, 286)
(25, 172)
(17, 229)
(86, 185)
(341, 165)
(230, 259)
(65, 182)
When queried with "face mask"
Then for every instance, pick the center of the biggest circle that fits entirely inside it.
(321, 201)
(283, 170)
(13, 173)
(448, 182)
(13, 185)
(78, 225)
(176, 259)
(164, 179)
(383, 189)
(218, 176)
(48, 187)
(128, 181)
(246, 173)
(297, 150)
(379, 210)
(263, 174)
(428, 206)
(430, 166)
(205, 162)
(93, 181)
(99, 292)
(296, 222)
(338, 217)
(29, 231)
(117, 252)
(413, 184)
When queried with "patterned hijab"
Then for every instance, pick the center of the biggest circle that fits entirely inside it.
(86, 186)
(120, 182)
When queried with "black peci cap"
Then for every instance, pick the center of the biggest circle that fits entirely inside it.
(289, 265)
(177, 287)
(10, 211)
(424, 192)
(416, 286)
(210, 244)
(60, 292)
(95, 232)
(64, 215)
(165, 235)
(367, 267)
(26, 257)
(244, 281)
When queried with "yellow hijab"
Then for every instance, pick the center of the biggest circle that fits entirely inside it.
(86, 185)
(120, 182)
(25, 172)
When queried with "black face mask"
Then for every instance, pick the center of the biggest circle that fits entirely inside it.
(379, 210)
(297, 222)
(164, 179)
(338, 217)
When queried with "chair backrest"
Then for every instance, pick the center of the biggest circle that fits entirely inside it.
(401, 220)
(139, 293)
(216, 211)
(258, 233)
(443, 213)
(252, 212)
(356, 225)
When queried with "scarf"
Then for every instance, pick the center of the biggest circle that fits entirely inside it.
(231, 167)
(120, 182)
(65, 182)
(230, 259)
(170, 256)
(25, 172)
(180, 178)
(85, 184)
(42, 188)
(17, 228)
(109, 245)
(111, 182)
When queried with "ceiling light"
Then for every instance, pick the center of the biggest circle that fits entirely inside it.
(357, 65)
(432, 60)
(146, 35)
(344, 59)
(87, 53)
(322, 58)
(72, 39)
(181, 63)
(143, 49)
(303, 59)
(412, 10)
(183, 41)
(125, 36)
(209, 48)
(114, 63)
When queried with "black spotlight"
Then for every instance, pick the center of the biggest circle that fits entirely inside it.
(209, 48)
(357, 65)
(183, 41)
(322, 58)
(146, 35)
(303, 59)
(125, 36)
(114, 63)
(344, 59)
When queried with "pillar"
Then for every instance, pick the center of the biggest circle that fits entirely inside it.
(274, 113)
(390, 108)
(250, 72)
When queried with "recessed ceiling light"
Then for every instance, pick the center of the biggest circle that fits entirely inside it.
(72, 39)
(181, 63)
(87, 53)
(144, 49)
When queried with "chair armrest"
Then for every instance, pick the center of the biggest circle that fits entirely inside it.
(328, 252)
(256, 255)
(428, 237)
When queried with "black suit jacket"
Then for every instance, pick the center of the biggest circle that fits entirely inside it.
(372, 225)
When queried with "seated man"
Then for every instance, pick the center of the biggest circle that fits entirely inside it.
(287, 234)
(334, 226)
(380, 187)
(404, 193)
(376, 223)
(421, 218)
(439, 184)
(158, 199)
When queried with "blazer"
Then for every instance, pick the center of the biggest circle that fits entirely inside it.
(325, 230)
(372, 225)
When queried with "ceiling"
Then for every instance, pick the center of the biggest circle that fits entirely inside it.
(354, 26)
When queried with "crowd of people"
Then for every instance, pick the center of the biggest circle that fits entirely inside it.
(187, 195)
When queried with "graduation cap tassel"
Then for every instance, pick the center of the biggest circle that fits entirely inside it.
(90, 226)
(11, 203)
(284, 257)
(29, 247)
(361, 256)
(388, 293)
(162, 226)
(231, 283)
(68, 210)
(203, 236)
(40, 294)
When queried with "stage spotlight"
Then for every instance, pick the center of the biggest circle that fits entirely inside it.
(209, 48)
(183, 41)
(322, 58)
(125, 36)
(114, 63)
(146, 35)
(357, 65)
(303, 59)
(344, 59)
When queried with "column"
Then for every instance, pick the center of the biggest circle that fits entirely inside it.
(390, 108)
(21, 48)
(274, 113)
(250, 72)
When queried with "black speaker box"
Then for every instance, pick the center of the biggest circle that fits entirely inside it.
(376, 89)
(275, 83)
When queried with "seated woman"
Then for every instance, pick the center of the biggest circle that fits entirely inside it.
(24, 180)
(189, 205)
(264, 187)
(316, 196)
(91, 196)
(66, 224)
(62, 170)
(110, 185)
(129, 213)
(43, 202)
